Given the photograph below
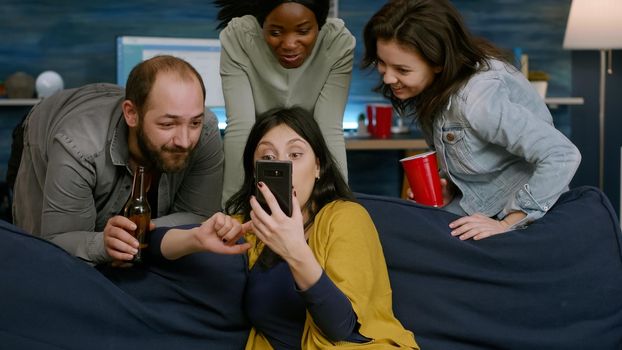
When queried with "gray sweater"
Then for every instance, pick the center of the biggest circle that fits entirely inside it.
(254, 82)
(74, 175)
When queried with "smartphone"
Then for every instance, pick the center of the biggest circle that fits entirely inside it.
(278, 176)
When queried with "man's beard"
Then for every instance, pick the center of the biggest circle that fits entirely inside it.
(156, 156)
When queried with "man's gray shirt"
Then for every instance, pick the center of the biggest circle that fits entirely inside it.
(74, 172)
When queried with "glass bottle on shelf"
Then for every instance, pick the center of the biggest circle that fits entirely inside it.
(361, 129)
(400, 128)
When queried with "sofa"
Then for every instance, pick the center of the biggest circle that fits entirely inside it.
(556, 284)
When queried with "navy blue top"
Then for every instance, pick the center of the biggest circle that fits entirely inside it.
(277, 308)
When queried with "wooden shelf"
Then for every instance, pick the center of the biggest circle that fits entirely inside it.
(554, 102)
(396, 142)
(19, 101)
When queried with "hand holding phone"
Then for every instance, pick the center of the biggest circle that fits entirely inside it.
(277, 175)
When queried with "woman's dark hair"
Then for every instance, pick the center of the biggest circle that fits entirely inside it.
(435, 30)
(230, 9)
(328, 187)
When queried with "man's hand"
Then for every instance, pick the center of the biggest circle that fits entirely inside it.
(120, 245)
(220, 233)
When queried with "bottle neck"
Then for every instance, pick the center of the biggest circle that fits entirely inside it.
(138, 186)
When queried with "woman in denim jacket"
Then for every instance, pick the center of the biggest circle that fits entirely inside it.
(502, 161)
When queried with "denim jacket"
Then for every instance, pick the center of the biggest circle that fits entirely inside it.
(74, 172)
(496, 142)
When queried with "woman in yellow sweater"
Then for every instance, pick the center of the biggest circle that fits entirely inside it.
(317, 279)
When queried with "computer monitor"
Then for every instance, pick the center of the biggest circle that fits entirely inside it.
(202, 54)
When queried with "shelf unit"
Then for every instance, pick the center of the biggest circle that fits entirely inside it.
(554, 102)
(19, 101)
(395, 142)
(371, 144)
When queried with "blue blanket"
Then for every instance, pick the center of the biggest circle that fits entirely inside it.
(51, 300)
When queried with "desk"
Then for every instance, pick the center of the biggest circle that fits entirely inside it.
(555, 102)
(395, 142)
(19, 101)
(407, 144)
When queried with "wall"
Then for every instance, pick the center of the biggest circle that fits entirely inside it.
(77, 39)
(585, 122)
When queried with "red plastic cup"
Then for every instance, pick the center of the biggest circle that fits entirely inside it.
(370, 119)
(379, 120)
(422, 174)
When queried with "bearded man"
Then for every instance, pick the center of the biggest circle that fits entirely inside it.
(81, 147)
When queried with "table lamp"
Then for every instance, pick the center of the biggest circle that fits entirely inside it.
(596, 25)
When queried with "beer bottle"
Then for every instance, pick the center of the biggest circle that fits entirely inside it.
(137, 209)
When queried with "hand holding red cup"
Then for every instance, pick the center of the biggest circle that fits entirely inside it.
(423, 178)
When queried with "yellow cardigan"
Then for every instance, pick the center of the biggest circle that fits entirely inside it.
(345, 242)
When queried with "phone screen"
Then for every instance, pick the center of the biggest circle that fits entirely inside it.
(277, 175)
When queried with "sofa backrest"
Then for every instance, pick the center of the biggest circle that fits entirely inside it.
(556, 284)
(51, 300)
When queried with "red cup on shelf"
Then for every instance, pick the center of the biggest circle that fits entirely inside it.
(379, 120)
(423, 178)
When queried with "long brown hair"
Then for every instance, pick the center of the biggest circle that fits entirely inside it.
(435, 30)
(330, 185)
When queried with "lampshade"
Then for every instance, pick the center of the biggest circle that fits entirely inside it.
(594, 25)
